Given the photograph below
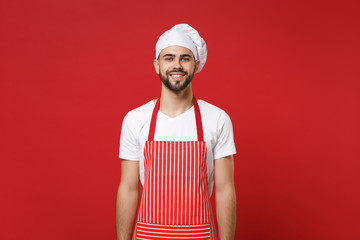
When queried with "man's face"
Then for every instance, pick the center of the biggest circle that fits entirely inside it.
(176, 67)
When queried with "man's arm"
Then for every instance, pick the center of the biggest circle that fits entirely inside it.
(225, 197)
(127, 199)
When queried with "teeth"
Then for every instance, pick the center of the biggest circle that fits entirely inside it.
(176, 75)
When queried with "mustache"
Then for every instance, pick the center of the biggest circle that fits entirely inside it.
(177, 71)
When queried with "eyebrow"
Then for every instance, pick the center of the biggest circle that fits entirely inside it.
(173, 55)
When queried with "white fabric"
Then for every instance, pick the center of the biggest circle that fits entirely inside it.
(185, 36)
(217, 127)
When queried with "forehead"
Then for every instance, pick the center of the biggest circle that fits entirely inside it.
(176, 50)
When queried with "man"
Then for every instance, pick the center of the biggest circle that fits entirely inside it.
(177, 145)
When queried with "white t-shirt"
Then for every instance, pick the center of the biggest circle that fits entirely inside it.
(217, 127)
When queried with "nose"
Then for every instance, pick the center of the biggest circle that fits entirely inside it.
(177, 63)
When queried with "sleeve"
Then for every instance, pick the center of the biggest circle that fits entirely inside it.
(129, 144)
(225, 144)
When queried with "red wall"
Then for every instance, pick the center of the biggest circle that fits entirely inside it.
(287, 72)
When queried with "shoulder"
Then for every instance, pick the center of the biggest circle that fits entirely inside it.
(140, 112)
(136, 118)
(211, 111)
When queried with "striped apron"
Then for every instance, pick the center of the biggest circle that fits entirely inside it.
(175, 201)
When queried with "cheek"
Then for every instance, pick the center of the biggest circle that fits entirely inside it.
(164, 68)
(191, 67)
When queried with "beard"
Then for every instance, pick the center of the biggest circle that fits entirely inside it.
(177, 86)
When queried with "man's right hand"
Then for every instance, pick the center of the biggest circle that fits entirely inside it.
(127, 199)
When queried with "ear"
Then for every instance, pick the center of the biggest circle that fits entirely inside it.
(197, 65)
(156, 65)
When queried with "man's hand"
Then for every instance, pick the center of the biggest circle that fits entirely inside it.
(225, 197)
(127, 199)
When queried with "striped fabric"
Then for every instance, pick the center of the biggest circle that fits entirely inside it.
(156, 231)
(175, 203)
(175, 192)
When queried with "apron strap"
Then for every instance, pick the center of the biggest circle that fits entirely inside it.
(199, 129)
(153, 121)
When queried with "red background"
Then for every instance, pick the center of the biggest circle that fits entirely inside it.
(287, 73)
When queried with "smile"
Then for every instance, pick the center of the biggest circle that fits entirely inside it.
(177, 74)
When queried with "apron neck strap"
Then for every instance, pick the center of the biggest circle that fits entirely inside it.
(199, 129)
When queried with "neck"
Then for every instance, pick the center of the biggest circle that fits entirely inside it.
(172, 103)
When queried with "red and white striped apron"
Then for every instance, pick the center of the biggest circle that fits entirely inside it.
(175, 201)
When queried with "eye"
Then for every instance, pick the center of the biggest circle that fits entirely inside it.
(168, 59)
(185, 59)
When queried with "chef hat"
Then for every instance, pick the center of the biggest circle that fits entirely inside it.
(185, 36)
